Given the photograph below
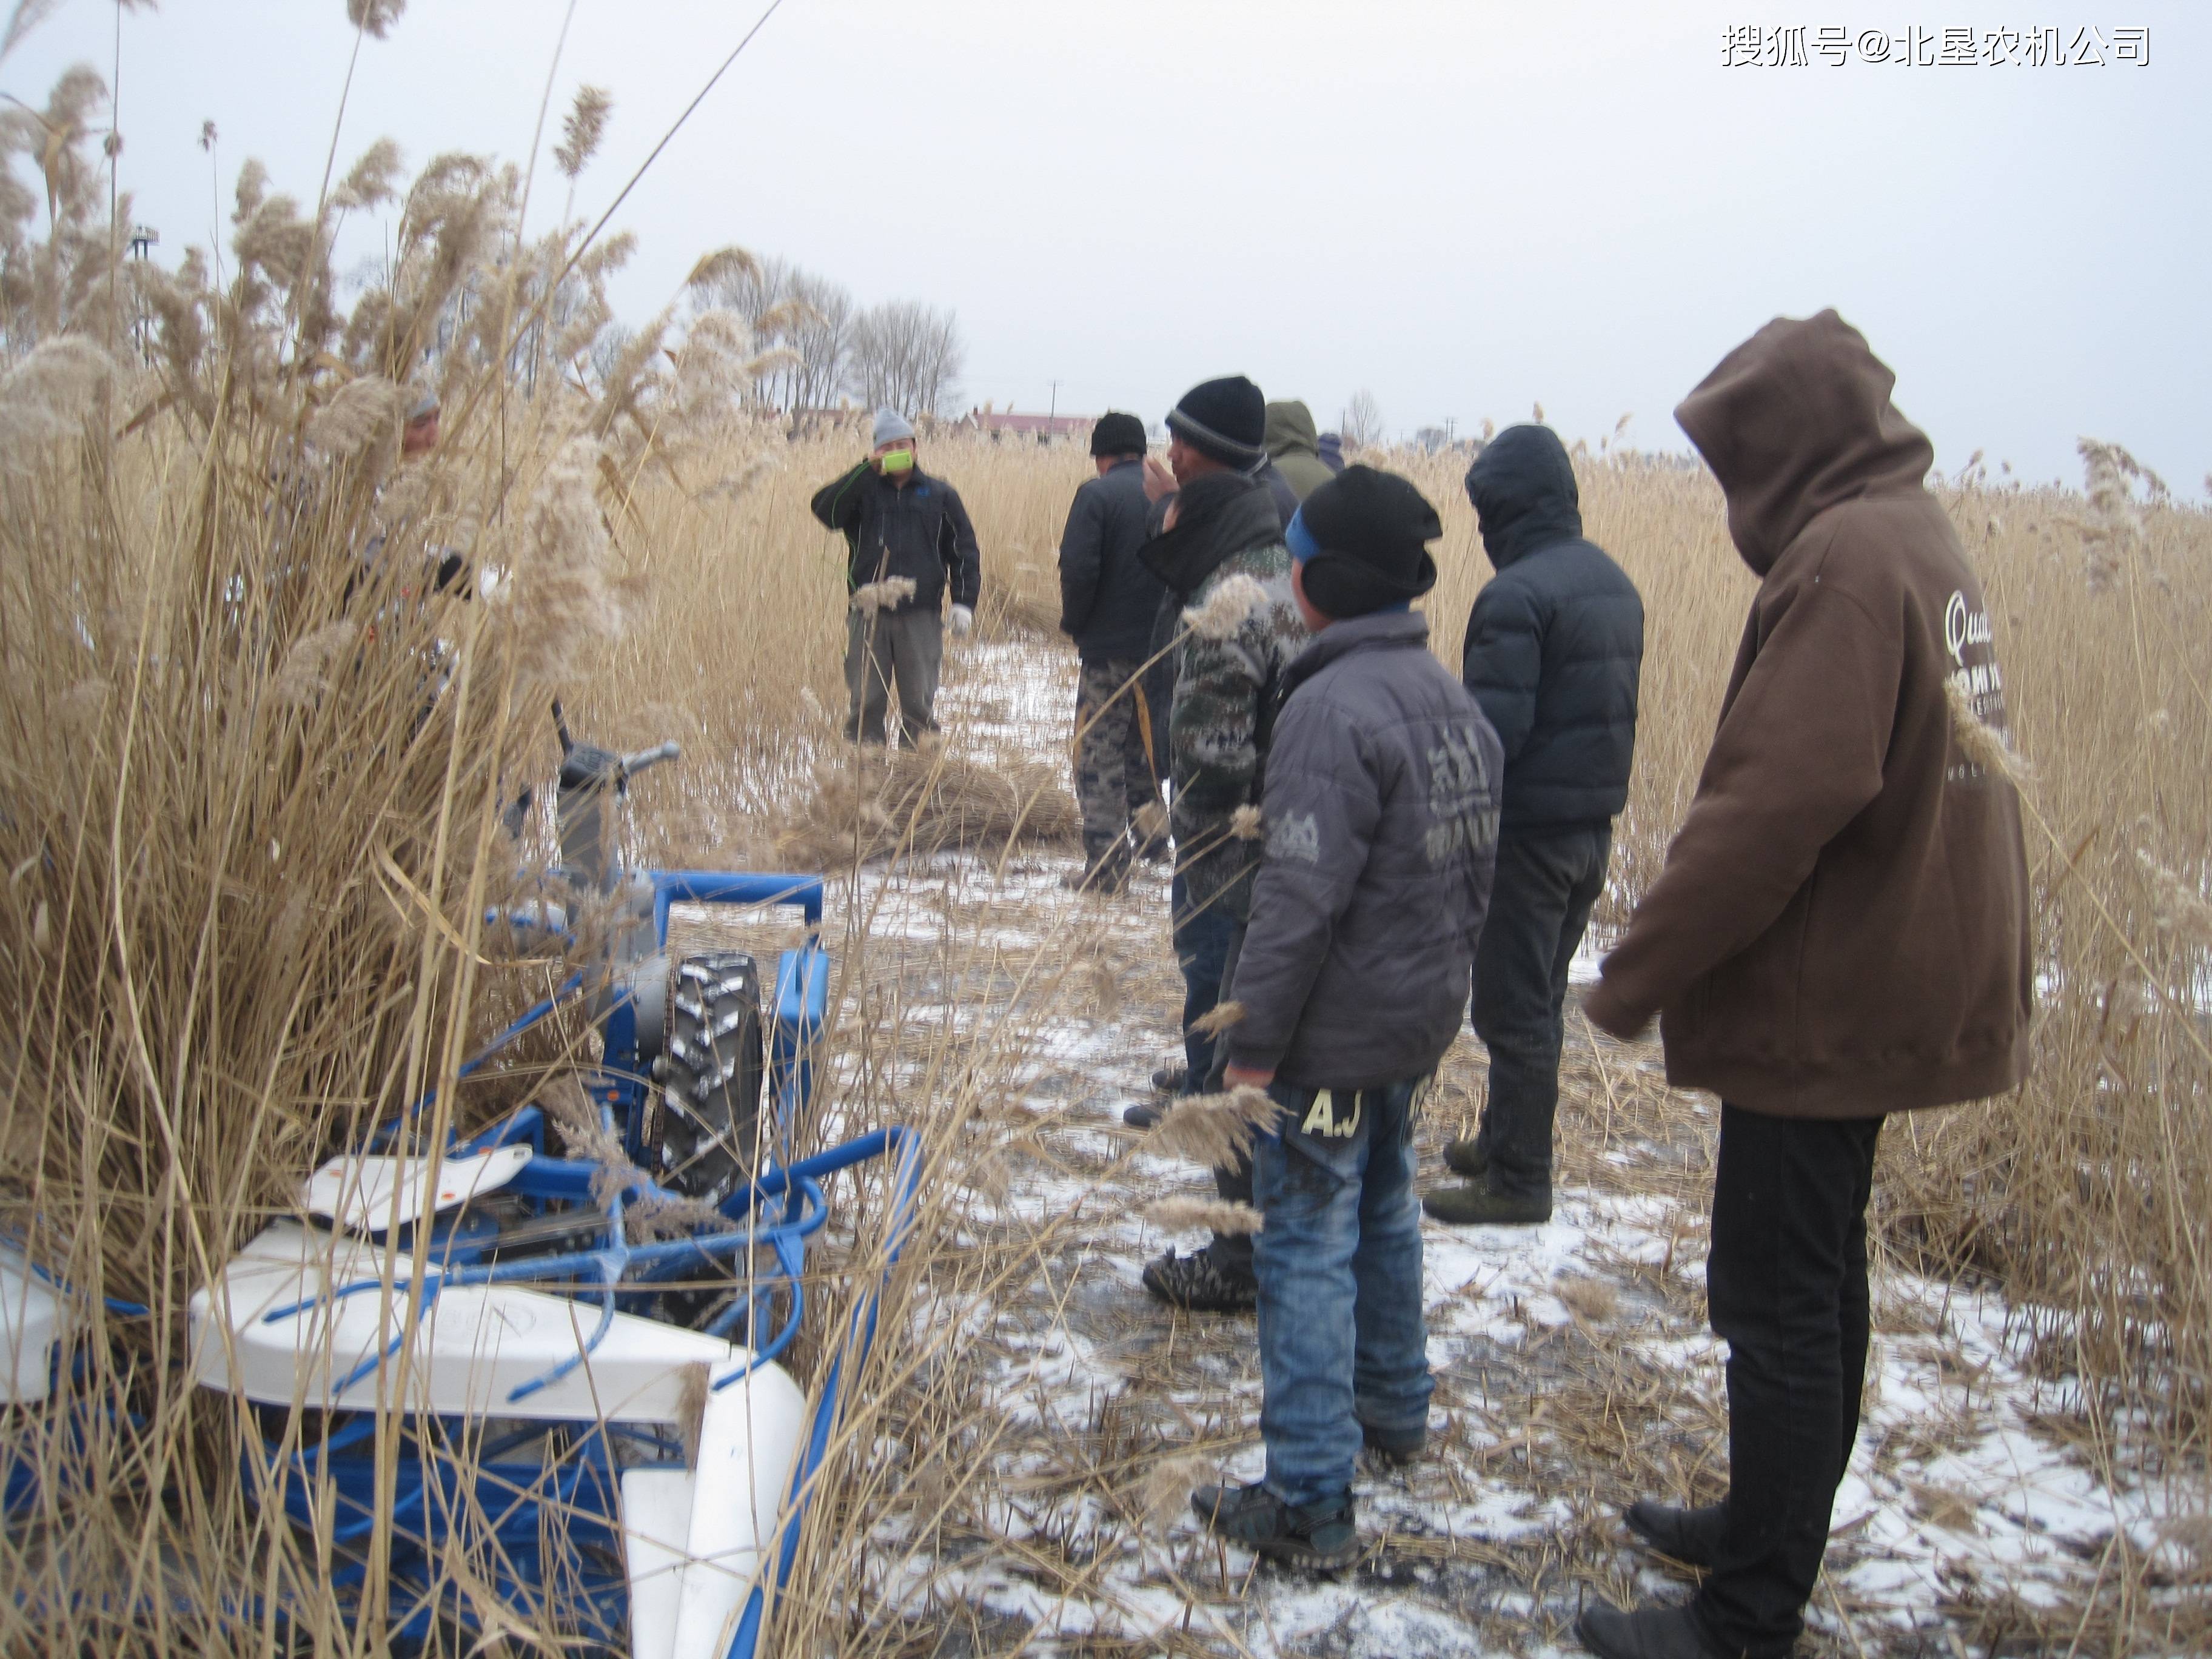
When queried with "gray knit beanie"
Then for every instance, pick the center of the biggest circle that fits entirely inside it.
(891, 427)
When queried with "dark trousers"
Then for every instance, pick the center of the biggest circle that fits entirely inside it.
(1201, 947)
(1539, 905)
(1786, 1282)
(1206, 944)
(884, 649)
(1232, 1181)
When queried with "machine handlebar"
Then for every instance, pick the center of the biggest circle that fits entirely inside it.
(634, 764)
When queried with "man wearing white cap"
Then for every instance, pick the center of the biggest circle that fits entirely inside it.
(906, 535)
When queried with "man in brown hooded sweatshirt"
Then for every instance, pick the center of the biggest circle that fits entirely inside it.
(1841, 932)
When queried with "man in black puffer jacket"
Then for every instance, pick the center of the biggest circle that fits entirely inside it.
(1107, 602)
(1554, 649)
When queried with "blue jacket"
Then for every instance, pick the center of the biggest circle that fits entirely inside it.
(1555, 643)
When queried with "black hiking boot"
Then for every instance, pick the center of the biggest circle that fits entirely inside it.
(1652, 1633)
(1476, 1204)
(1394, 1449)
(1319, 1537)
(1468, 1158)
(1142, 1115)
(1169, 1079)
(1199, 1282)
(1690, 1536)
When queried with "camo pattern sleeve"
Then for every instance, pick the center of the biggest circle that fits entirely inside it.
(1227, 691)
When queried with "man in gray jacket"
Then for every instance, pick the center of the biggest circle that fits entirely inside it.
(1381, 824)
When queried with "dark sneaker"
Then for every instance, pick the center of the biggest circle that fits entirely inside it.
(1646, 1633)
(1468, 1158)
(1199, 1282)
(1169, 1079)
(1690, 1536)
(1475, 1204)
(1395, 1448)
(1320, 1537)
(1141, 1115)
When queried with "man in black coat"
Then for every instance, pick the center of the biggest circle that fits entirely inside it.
(1554, 649)
(906, 534)
(1108, 601)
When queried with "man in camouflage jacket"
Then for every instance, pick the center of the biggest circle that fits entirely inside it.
(1220, 554)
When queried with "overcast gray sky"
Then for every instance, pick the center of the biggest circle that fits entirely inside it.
(1463, 207)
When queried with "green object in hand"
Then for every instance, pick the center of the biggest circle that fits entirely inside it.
(898, 460)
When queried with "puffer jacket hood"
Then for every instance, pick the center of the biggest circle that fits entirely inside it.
(1795, 420)
(1522, 486)
(1295, 447)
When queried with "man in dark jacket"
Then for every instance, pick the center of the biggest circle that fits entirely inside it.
(1554, 649)
(1108, 601)
(1220, 555)
(1841, 932)
(906, 534)
(1381, 820)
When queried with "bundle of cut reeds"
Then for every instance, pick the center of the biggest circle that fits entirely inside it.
(868, 803)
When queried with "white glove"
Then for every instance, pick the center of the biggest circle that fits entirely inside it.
(963, 620)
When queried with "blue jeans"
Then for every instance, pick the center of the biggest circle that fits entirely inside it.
(1201, 948)
(1341, 1341)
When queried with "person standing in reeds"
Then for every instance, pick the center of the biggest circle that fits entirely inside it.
(1220, 538)
(1107, 600)
(906, 535)
(1554, 652)
(1841, 932)
(1381, 820)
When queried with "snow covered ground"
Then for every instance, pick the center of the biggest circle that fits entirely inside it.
(1575, 1371)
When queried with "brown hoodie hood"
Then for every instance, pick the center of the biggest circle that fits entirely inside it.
(1795, 420)
(1841, 929)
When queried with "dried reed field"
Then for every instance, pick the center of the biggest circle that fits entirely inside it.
(251, 787)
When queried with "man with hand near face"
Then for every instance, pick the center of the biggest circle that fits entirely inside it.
(900, 525)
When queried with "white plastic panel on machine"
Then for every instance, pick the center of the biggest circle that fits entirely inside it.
(696, 1541)
(471, 1350)
(30, 1326)
(357, 1193)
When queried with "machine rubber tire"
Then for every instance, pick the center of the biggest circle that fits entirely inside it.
(712, 1074)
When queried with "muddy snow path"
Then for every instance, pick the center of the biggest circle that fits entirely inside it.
(1046, 1513)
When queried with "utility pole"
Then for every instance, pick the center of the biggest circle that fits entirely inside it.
(143, 237)
(1055, 401)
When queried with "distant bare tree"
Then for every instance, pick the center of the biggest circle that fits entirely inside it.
(786, 304)
(906, 356)
(821, 332)
(607, 349)
(1363, 421)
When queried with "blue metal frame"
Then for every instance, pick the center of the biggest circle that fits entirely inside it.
(771, 1217)
(506, 1482)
